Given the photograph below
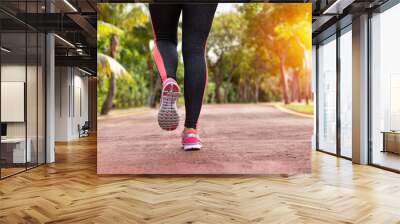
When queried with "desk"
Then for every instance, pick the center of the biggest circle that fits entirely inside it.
(14, 150)
(391, 141)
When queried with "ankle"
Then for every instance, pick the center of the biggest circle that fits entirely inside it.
(189, 130)
(169, 80)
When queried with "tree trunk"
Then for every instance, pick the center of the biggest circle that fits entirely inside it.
(240, 92)
(217, 90)
(154, 85)
(153, 94)
(151, 73)
(228, 86)
(307, 88)
(283, 80)
(308, 72)
(257, 92)
(257, 89)
(226, 93)
(292, 88)
(107, 105)
(297, 86)
(218, 78)
(247, 91)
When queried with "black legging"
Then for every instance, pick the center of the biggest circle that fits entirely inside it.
(196, 25)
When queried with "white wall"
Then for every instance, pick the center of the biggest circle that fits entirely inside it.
(80, 109)
(13, 100)
(33, 126)
(14, 73)
(71, 103)
(62, 82)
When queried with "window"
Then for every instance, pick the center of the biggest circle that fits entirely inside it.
(23, 89)
(385, 89)
(327, 96)
(346, 74)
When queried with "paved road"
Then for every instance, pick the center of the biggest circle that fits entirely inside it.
(237, 139)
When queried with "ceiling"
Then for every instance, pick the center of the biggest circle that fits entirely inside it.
(74, 22)
(332, 15)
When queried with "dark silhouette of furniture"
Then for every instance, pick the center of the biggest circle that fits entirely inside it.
(84, 129)
(391, 141)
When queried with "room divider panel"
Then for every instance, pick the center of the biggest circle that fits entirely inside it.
(22, 77)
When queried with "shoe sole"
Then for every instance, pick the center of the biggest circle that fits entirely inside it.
(191, 147)
(168, 117)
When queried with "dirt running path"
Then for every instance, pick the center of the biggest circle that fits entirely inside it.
(237, 139)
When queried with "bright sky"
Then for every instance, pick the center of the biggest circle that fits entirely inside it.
(226, 7)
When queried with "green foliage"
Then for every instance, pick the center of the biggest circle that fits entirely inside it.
(243, 52)
(130, 94)
(131, 24)
(102, 89)
(301, 107)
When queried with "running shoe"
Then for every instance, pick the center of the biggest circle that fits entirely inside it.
(190, 140)
(168, 117)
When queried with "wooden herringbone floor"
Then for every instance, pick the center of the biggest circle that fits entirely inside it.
(69, 191)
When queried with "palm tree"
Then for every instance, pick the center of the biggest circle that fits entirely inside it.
(114, 43)
(119, 21)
